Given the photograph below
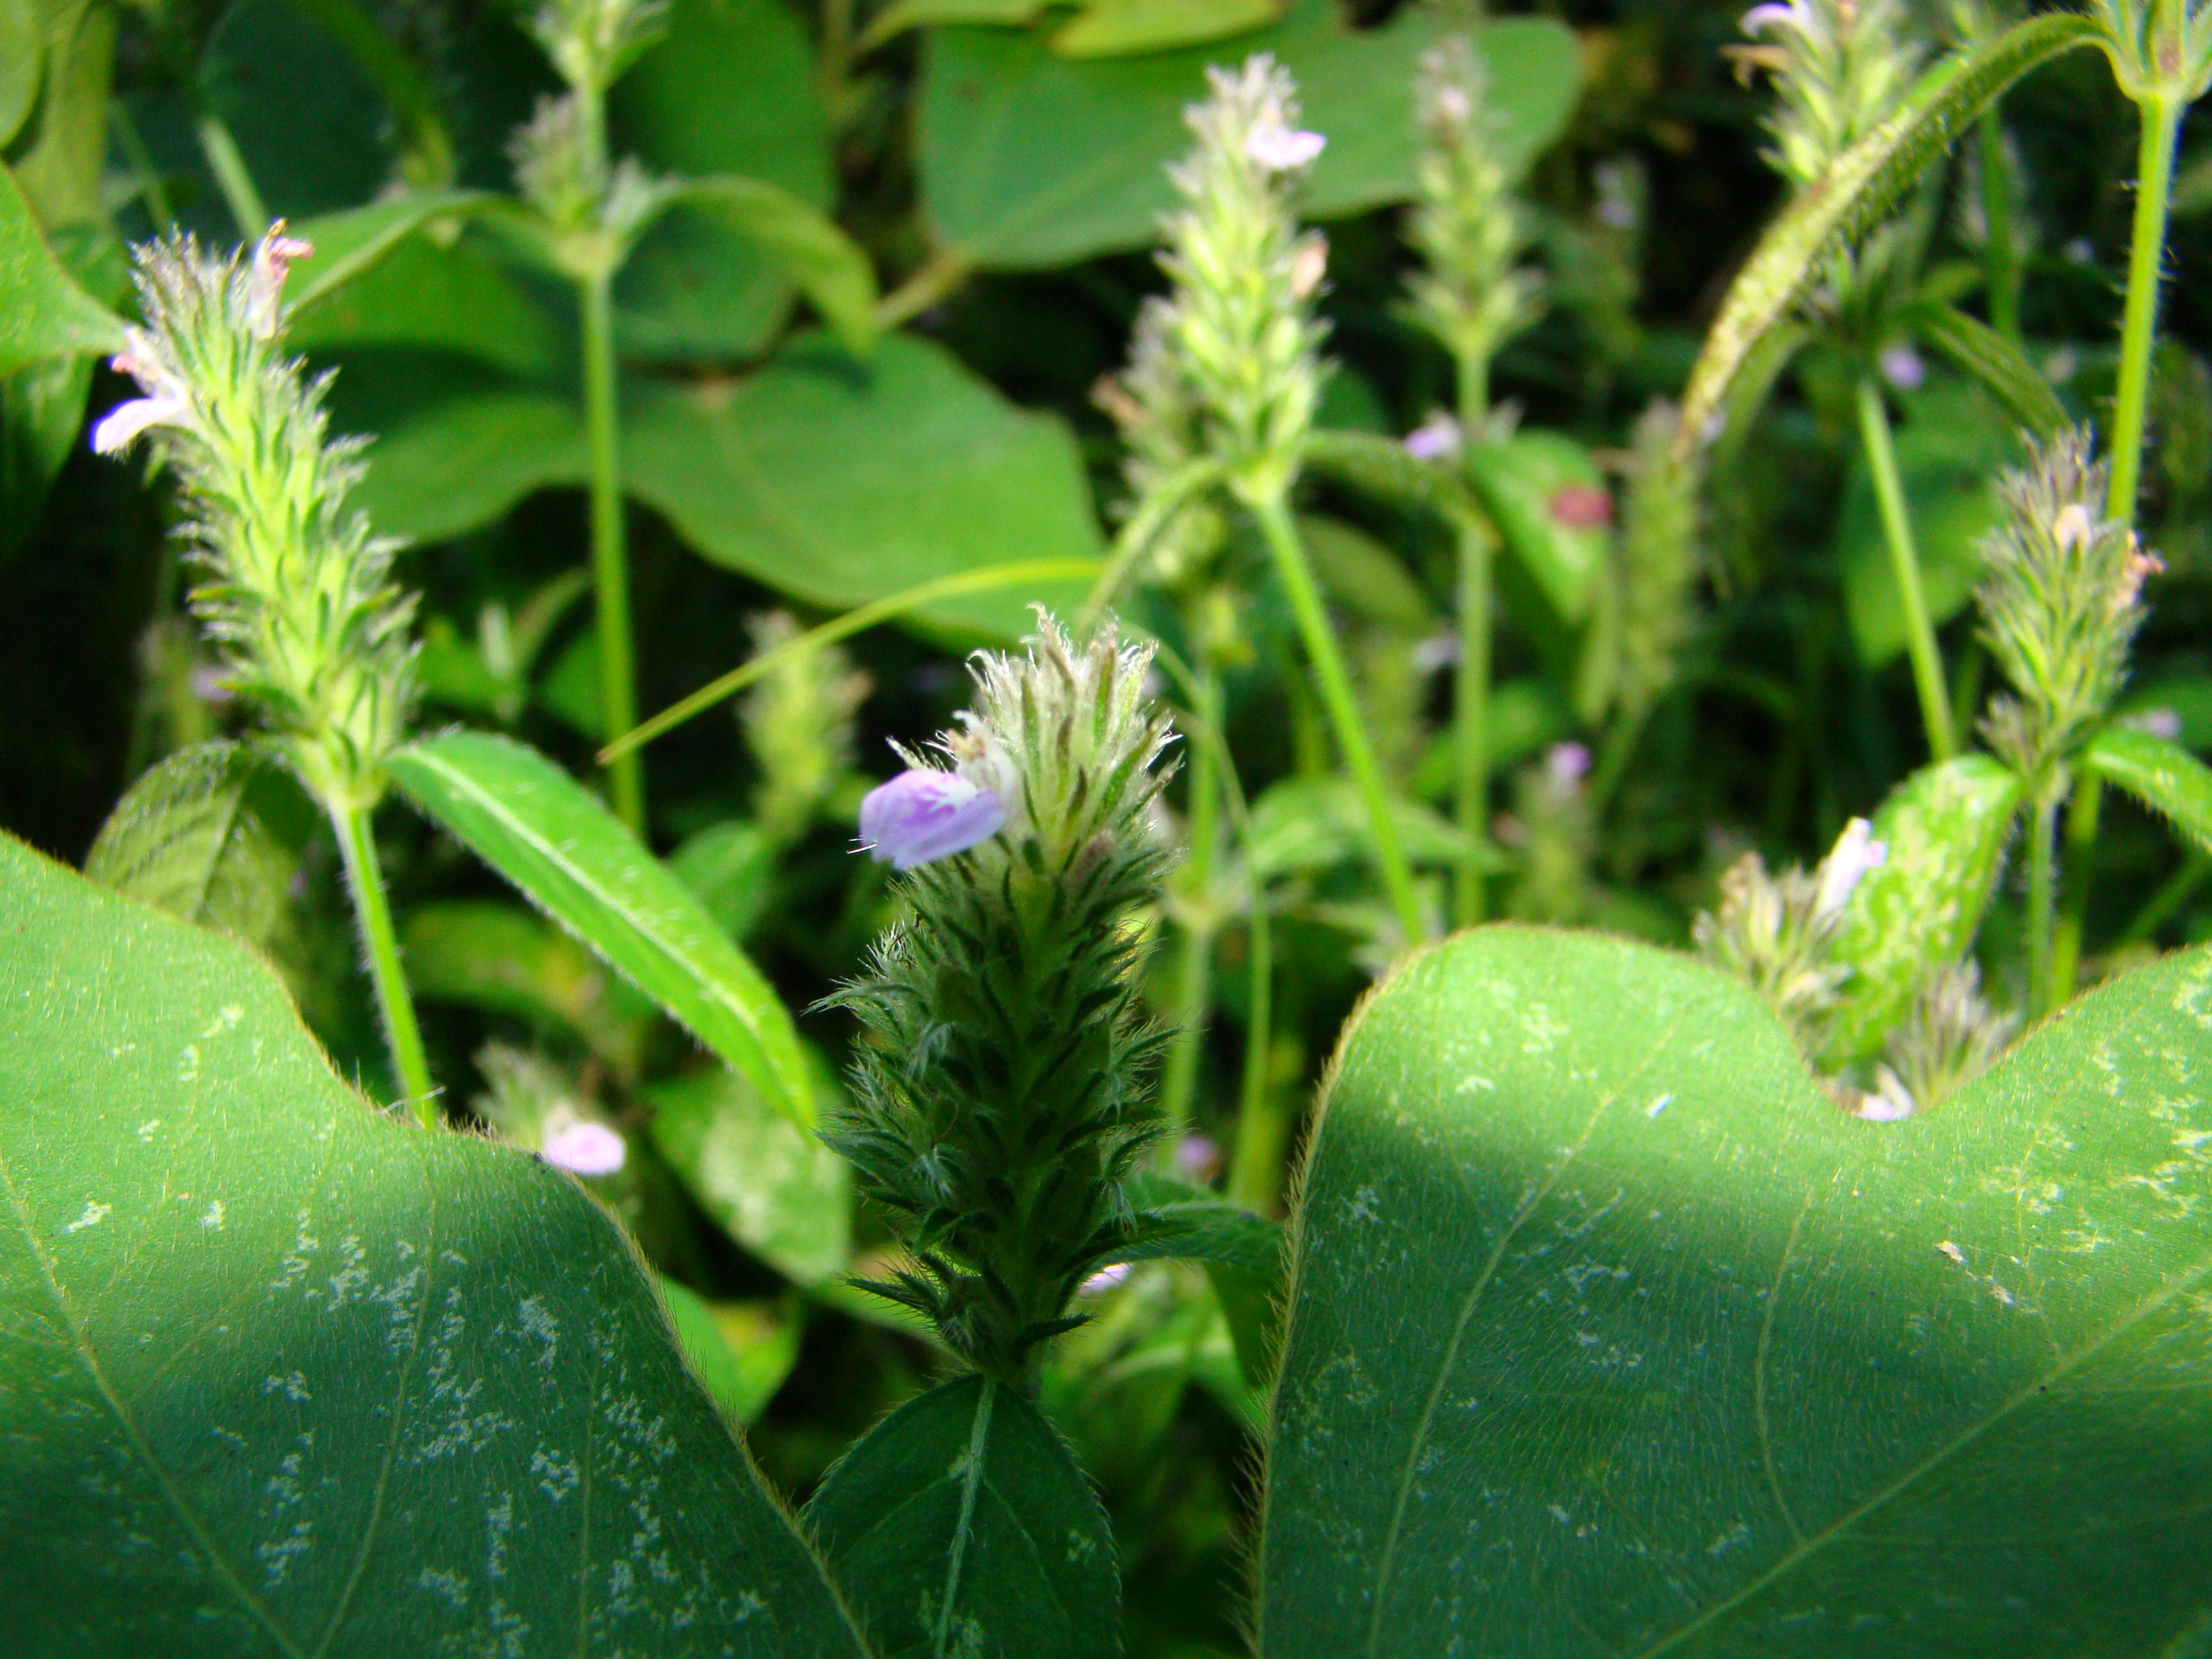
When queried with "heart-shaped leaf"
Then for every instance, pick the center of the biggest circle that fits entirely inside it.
(43, 312)
(279, 1375)
(1677, 1357)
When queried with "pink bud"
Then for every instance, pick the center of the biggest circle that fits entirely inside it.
(1580, 506)
(585, 1149)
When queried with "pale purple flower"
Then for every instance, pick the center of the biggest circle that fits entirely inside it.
(1566, 765)
(272, 263)
(1197, 1157)
(585, 1149)
(1773, 15)
(1434, 439)
(1856, 852)
(1891, 1102)
(1278, 148)
(2159, 722)
(121, 425)
(924, 814)
(1103, 1280)
(1902, 368)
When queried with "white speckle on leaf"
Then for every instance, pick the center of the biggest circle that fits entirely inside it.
(93, 1214)
(1659, 1105)
(1952, 1251)
(292, 1385)
(1735, 1535)
(146, 1129)
(1472, 1083)
(1360, 1206)
(213, 1219)
(226, 1017)
(451, 1586)
(188, 1064)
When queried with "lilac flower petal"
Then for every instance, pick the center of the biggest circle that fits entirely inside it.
(1103, 1280)
(120, 426)
(1568, 764)
(1773, 15)
(1434, 439)
(925, 814)
(1902, 368)
(586, 1149)
(1279, 150)
(1197, 1157)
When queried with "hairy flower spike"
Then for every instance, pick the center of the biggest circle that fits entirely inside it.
(2061, 600)
(798, 723)
(1473, 294)
(1775, 933)
(1229, 364)
(297, 593)
(1840, 67)
(591, 42)
(1949, 1038)
(1005, 1089)
(1660, 561)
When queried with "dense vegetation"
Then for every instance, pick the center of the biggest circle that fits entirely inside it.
(571, 1078)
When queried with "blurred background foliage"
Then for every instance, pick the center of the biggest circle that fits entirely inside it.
(1001, 163)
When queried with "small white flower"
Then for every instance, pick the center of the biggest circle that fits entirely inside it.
(1439, 650)
(1104, 1280)
(1434, 438)
(2072, 527)
(1891, 1102)
(1278, 148)
(2159, 722)
(1856, 852)
(1773, 16)
(1308, 266)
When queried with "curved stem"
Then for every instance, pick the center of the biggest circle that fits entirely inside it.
(2161, 123)
(1471, 721)
(1194, 968)
(610, 562)
(2043, 834)
(1905, 561)
(380, 946)
(2073, 918)
(1282, 538)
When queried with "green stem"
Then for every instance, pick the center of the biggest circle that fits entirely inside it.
(2000, 252)
(233, 179)
(1291, 567)
(365, 881)
(2161, 123)
(2080, 852)
(1474, 374)
(610, 563)
(1471, 720)
(1263, 1127)
(1904, 561)
(2043, 834)
(1195, 970)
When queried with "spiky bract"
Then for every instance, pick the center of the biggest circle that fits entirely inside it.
(1840, 67)
(1005, 1088)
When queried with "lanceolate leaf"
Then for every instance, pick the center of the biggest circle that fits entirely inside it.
(212, 835)
(1853, 195)
(567, 854)
(281, 1376)
(2164, 776)
(1675, 1357)
(1944, 831)
(960, 1526)
(42, 312)
(1978, 349)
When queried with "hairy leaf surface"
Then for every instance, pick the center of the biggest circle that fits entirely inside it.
(2164, 776)
(1676, 1358)
(279, 1375)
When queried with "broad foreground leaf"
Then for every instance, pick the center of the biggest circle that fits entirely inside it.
(278, 1376)
(43, 313)
(569, 856)
(1612, 1337)
(962, 1529)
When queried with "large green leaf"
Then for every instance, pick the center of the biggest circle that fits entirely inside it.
(1858, 188)
(828, 265)
(2164, 776)
(1546, 495)
(569, 855)
(462, 455)
(1943, 832)
(1975, 349)
(840, 481)
(729, 88)
(773, 1187)
(1613, 1335)
(43, 313)
(960, 1526)
(281, 1376)
(1031, 159)
(212, 835)
(22, 52)
(309, 121)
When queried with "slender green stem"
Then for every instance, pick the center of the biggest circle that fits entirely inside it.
(1904, 561)
(1471, 720)
(1263, 1126)
(2000, 251)
(2161, 123)
(610, 563)
(2073, 916)
(1474, 374)
(1195, 967)
(2043, 834)
(233, 179)
(381, 946)
(934, 279)
(1282, 538)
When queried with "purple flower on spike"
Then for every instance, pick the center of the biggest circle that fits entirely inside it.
(925, 814)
